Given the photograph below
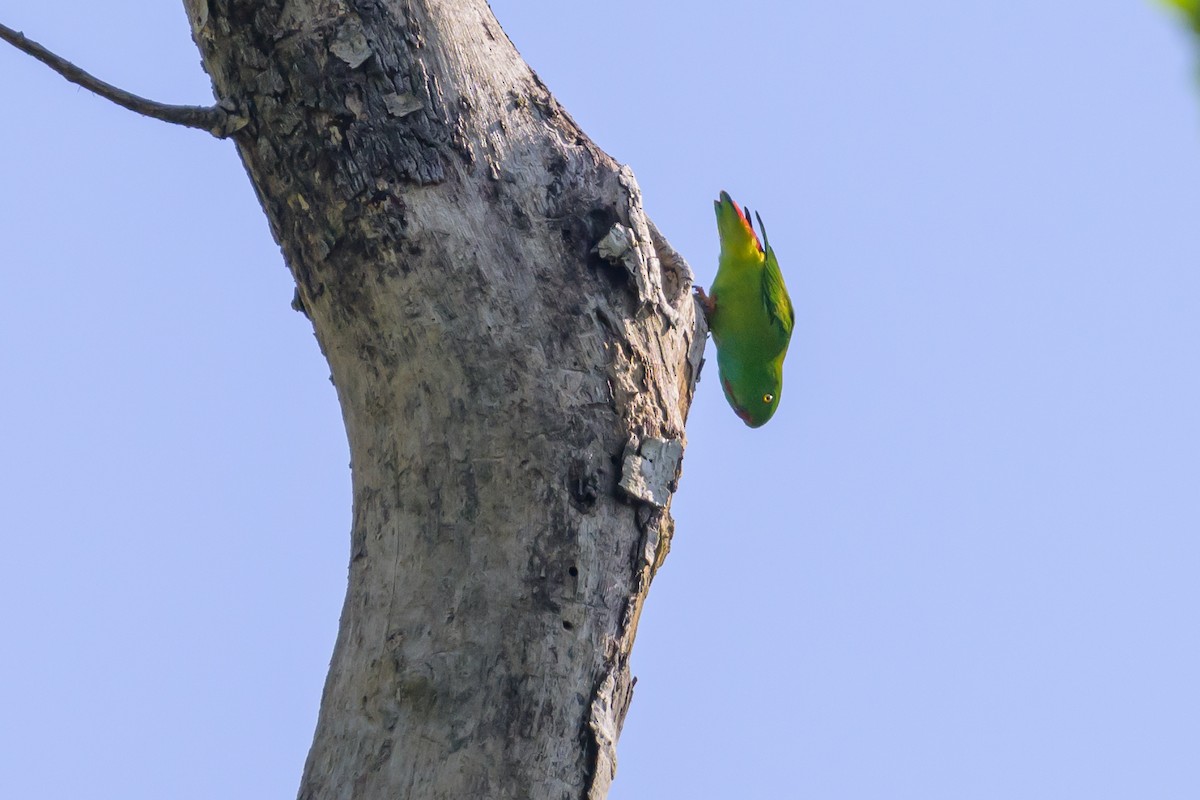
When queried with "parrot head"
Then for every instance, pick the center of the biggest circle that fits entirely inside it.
(757, 394)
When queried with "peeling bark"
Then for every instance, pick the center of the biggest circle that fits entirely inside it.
(514, 348)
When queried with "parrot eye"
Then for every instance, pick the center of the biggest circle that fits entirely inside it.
(767, 398)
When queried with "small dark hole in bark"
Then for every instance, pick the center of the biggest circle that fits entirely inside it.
(568, 625)
(573, 572)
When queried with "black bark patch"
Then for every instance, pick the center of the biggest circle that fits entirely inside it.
(583, 482)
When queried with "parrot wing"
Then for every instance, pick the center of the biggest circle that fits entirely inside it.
(775, 296)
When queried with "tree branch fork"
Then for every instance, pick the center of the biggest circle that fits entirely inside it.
(220, 120)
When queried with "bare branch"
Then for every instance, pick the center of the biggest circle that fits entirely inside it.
(215, 119)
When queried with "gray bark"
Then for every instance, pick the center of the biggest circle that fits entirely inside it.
(514, 348)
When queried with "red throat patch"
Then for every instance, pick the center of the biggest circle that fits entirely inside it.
(742, 413)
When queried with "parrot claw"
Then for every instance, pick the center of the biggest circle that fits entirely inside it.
(708, 304)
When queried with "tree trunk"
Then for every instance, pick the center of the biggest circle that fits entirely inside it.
(514, 348)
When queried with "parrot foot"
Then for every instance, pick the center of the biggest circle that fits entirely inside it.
(708, 304)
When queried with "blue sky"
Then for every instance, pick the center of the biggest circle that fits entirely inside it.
(960, 562)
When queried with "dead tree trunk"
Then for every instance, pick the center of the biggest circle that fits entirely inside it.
(514, 349)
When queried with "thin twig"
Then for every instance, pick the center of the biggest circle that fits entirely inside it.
(214, 119)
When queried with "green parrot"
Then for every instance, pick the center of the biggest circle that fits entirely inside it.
(750, 316)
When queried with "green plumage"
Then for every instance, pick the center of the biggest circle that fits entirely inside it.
(1190, 9)
(750, 316)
